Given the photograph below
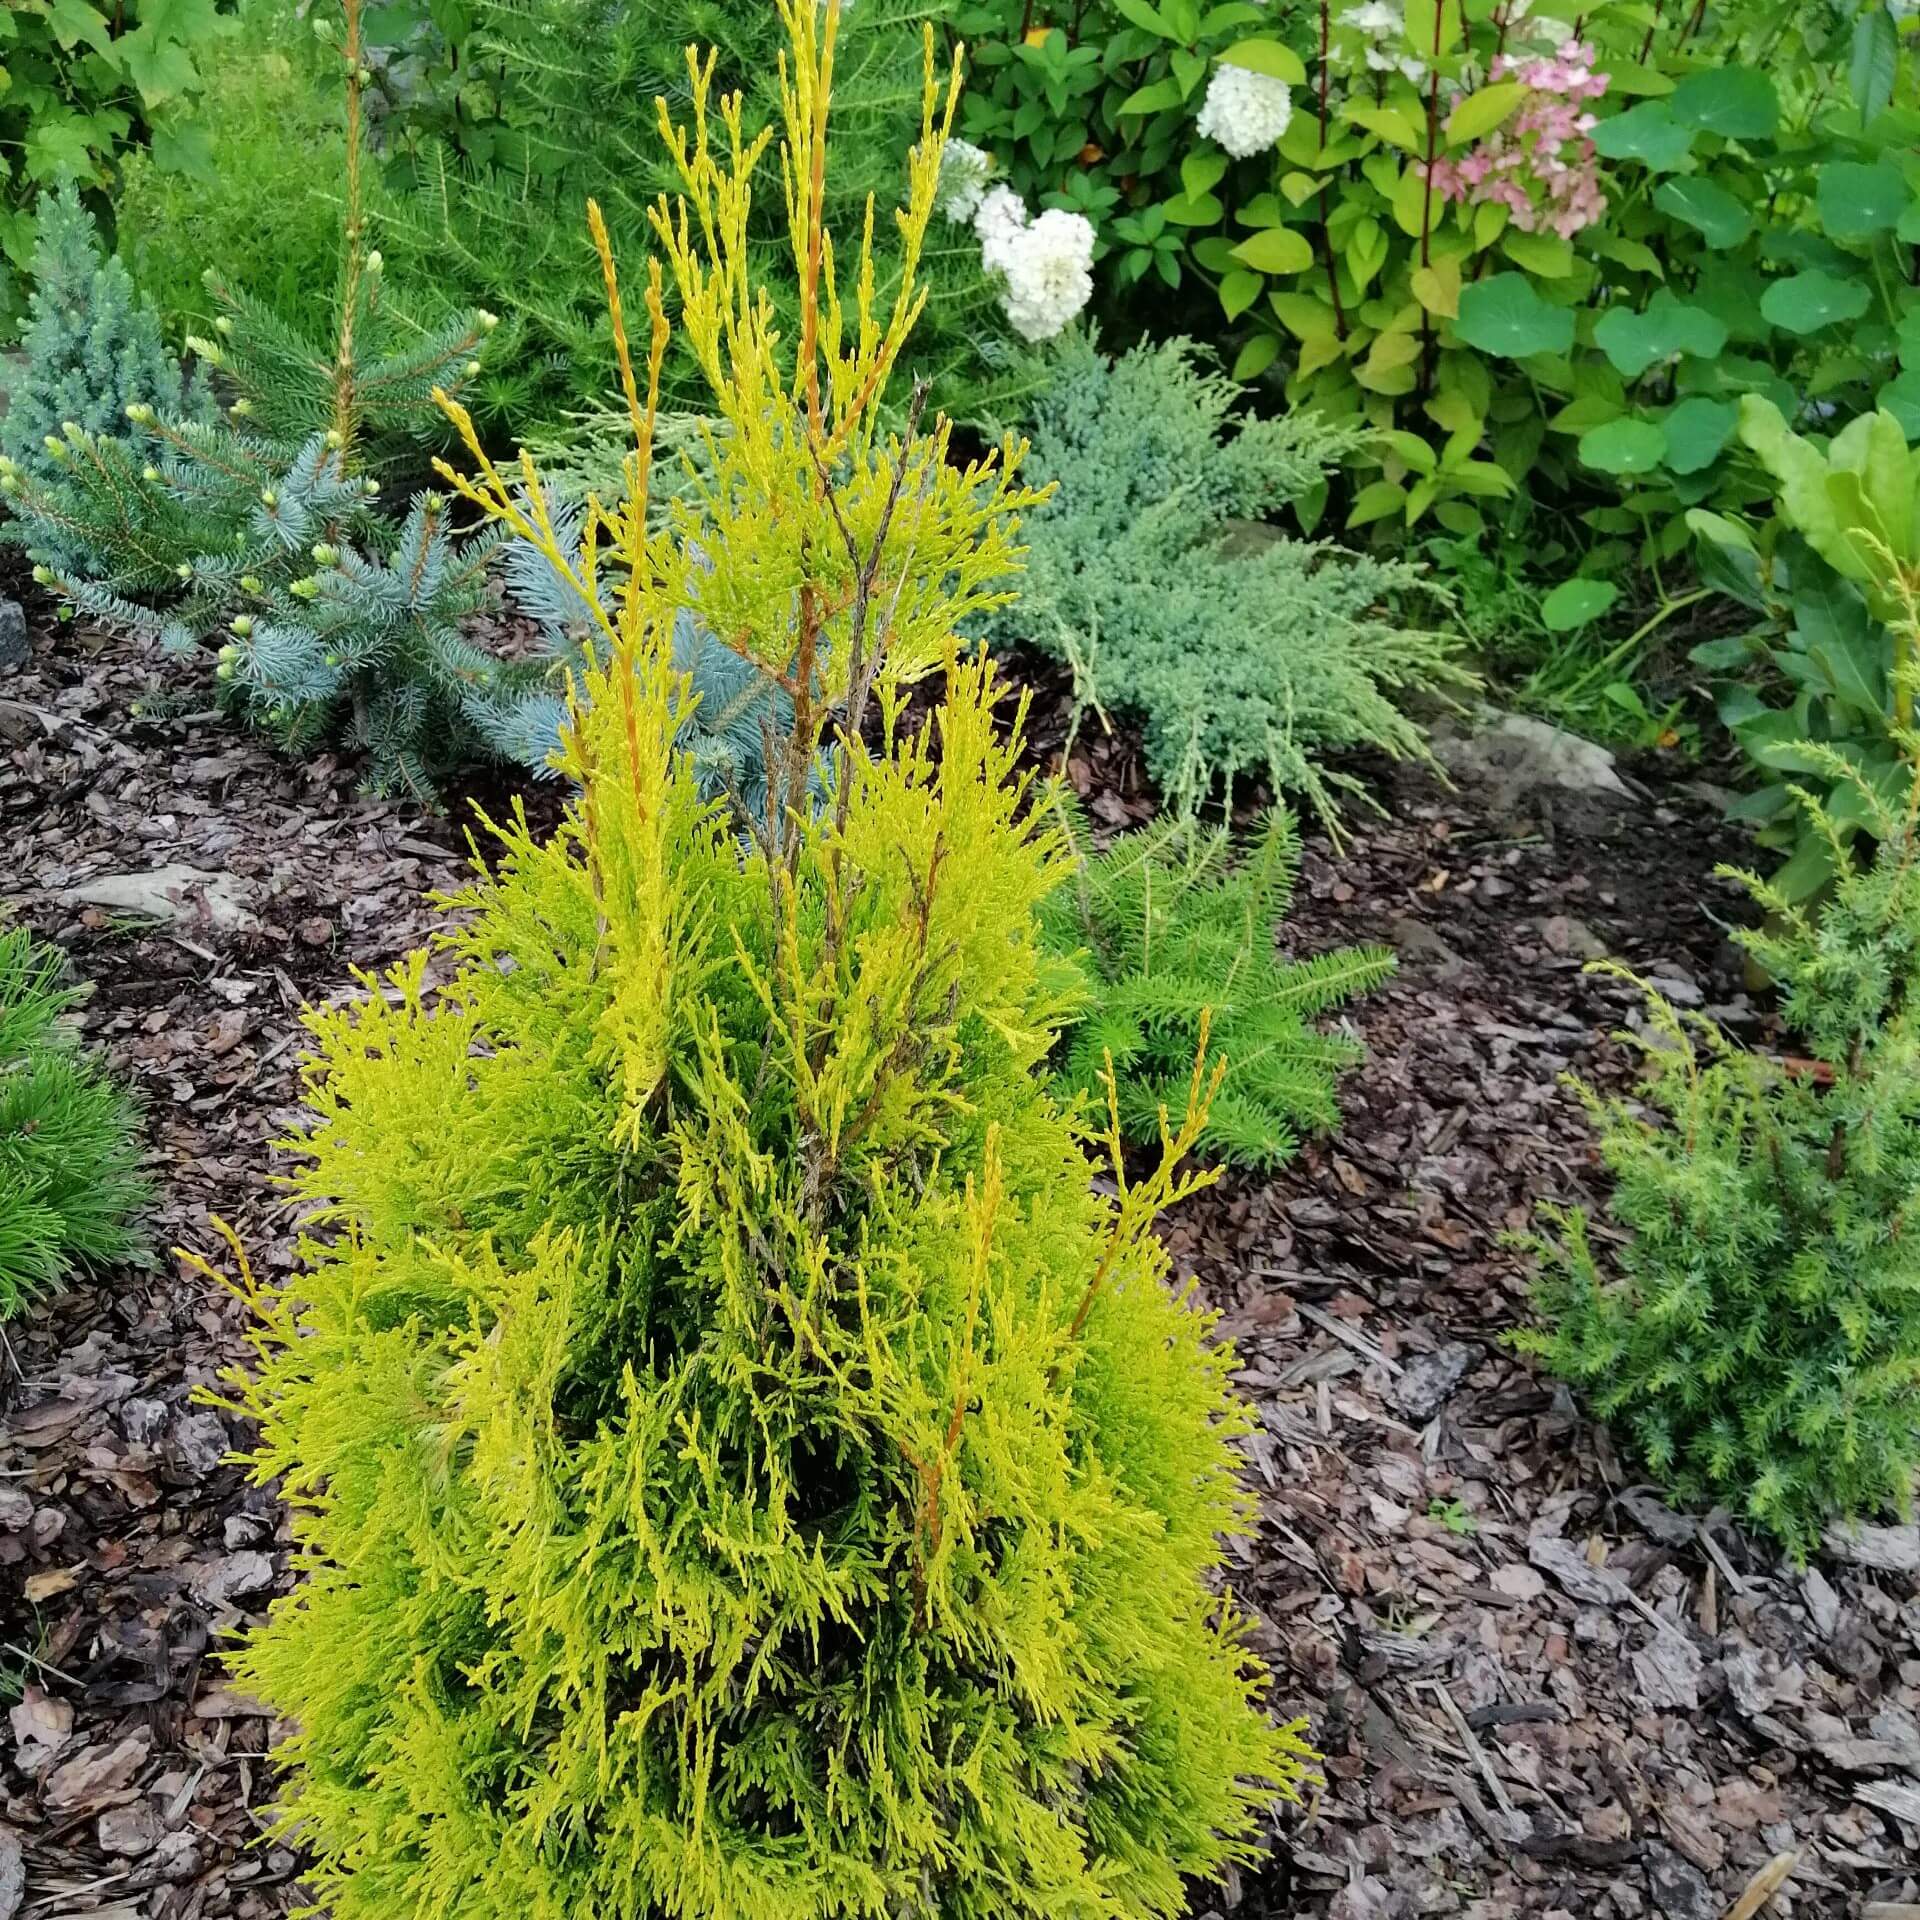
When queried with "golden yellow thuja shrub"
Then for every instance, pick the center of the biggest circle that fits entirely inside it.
(741, 1467)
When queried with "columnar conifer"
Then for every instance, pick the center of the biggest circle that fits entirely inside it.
(741, 1466)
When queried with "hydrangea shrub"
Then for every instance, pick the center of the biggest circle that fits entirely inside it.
(742, 1467)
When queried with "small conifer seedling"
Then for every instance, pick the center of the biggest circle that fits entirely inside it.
(742, 1468)
(1760, 1339)
(1172, 933)
(69, 1163)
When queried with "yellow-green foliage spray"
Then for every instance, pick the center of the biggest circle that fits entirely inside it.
(742, 1470)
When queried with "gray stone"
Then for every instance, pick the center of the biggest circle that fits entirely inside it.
(15, 648)
(1679, 1888)
(170, 894)
(1516, 753)
(1428, 1380)
(1564, 934)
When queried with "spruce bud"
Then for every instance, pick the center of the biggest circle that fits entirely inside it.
(332, 659)
(369, 487)
(149, 474)
(224, 671)
(56, 447)
(269, 499)
(334, 441)
(223, 326)
(140, 413)
(242, 624)
(374, 261)
(240, 409)
(304, 589)
(43, 576)
(74, 433)
(471, 368)
(205, 348)
(250, 583)
(183, 571)
(325, 555)
(488, 321)
(229, 653)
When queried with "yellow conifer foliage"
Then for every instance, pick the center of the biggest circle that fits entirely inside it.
(743, 1471)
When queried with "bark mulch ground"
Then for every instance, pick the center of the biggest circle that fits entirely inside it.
(1538, 1691)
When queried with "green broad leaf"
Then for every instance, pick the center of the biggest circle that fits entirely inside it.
(1276, 250)
(1710, 209)
(74, 22)
(1856, 202)
(1376, 501)
(1698, 431)
(1544, 255)
(57, 145)
(1876, 61)
(1810, 869)
(1636, 341)
(1738, 103)
(1648, 133)
(1854, 665)
(1503, 314)
(1238, 291)
(1628, 77)
(1256, 356)
(1624, 446)
(184, 146)
(1156, 97)
(1573, 603)
(1303, 315)
(1200, 173)
(1479, 113)
(1433, 27)
(1901, 398)
(1270, 57)
(1806, 302)
(1412, 449)
(1193, 210)
(1390, 125)
(1149, 19)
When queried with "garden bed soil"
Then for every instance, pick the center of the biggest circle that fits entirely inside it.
(1538, 1691)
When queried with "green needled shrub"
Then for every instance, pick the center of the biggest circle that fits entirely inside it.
(1760, 1340)
(1173, 932)
(1242, 651)
(742, 1469)
(69, 1165)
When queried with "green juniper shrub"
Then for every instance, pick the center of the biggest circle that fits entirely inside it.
(741, 1466)
(1759, 1335)
(1152, 574)
(69, 1161)
(1172, 932)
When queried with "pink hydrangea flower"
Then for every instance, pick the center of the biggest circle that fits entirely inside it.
(1541, 166)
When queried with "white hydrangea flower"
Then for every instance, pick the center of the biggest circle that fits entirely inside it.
(1378, 19)
(1049, 273)
(965, 171)
(1246, 112)
(999, 220)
